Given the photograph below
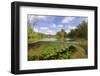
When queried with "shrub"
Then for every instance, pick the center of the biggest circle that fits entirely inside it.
(72, 48)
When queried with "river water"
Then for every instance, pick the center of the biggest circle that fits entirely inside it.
(52, 39)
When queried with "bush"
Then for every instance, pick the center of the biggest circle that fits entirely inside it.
(72, 48)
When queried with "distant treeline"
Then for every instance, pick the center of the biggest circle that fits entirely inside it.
(80, 32)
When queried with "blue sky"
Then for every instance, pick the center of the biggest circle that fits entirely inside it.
(53, 24)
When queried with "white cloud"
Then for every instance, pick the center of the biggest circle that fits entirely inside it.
(53, 25)
(47, 30)
(67, 19)
(67, 31)
(51, 32)
(69, 28)
(44, 28)
(86, 19)
(35, 29)
(60, 25)
(33, 18)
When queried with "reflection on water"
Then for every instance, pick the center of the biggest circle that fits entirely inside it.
(49, 39)
(53, 39)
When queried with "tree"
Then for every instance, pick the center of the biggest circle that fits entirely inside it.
(83, 31)
(34, 36)
(80, 32)
(30, 33)
(61, 35)
(72, 33)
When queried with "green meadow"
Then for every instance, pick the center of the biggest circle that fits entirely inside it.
(47, 50)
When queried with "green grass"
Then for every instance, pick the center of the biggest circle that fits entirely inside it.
(56, 50)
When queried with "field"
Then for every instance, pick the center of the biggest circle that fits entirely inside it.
(53, 50)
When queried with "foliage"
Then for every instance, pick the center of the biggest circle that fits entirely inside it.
(55, 51)
(80, 32)
(62, 35)
(34, 36)
(58, 50)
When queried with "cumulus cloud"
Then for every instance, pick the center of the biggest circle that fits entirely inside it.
(47, 30)
(35, 29)
(33, 18)
(67, 31)
(50, 32)
(44, 28)
(53, 25)
(69, 28)
(60, 25)
(67, 19)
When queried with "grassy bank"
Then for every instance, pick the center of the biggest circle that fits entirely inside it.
(57, 50)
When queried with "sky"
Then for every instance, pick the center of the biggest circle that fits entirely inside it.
(48, 24)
